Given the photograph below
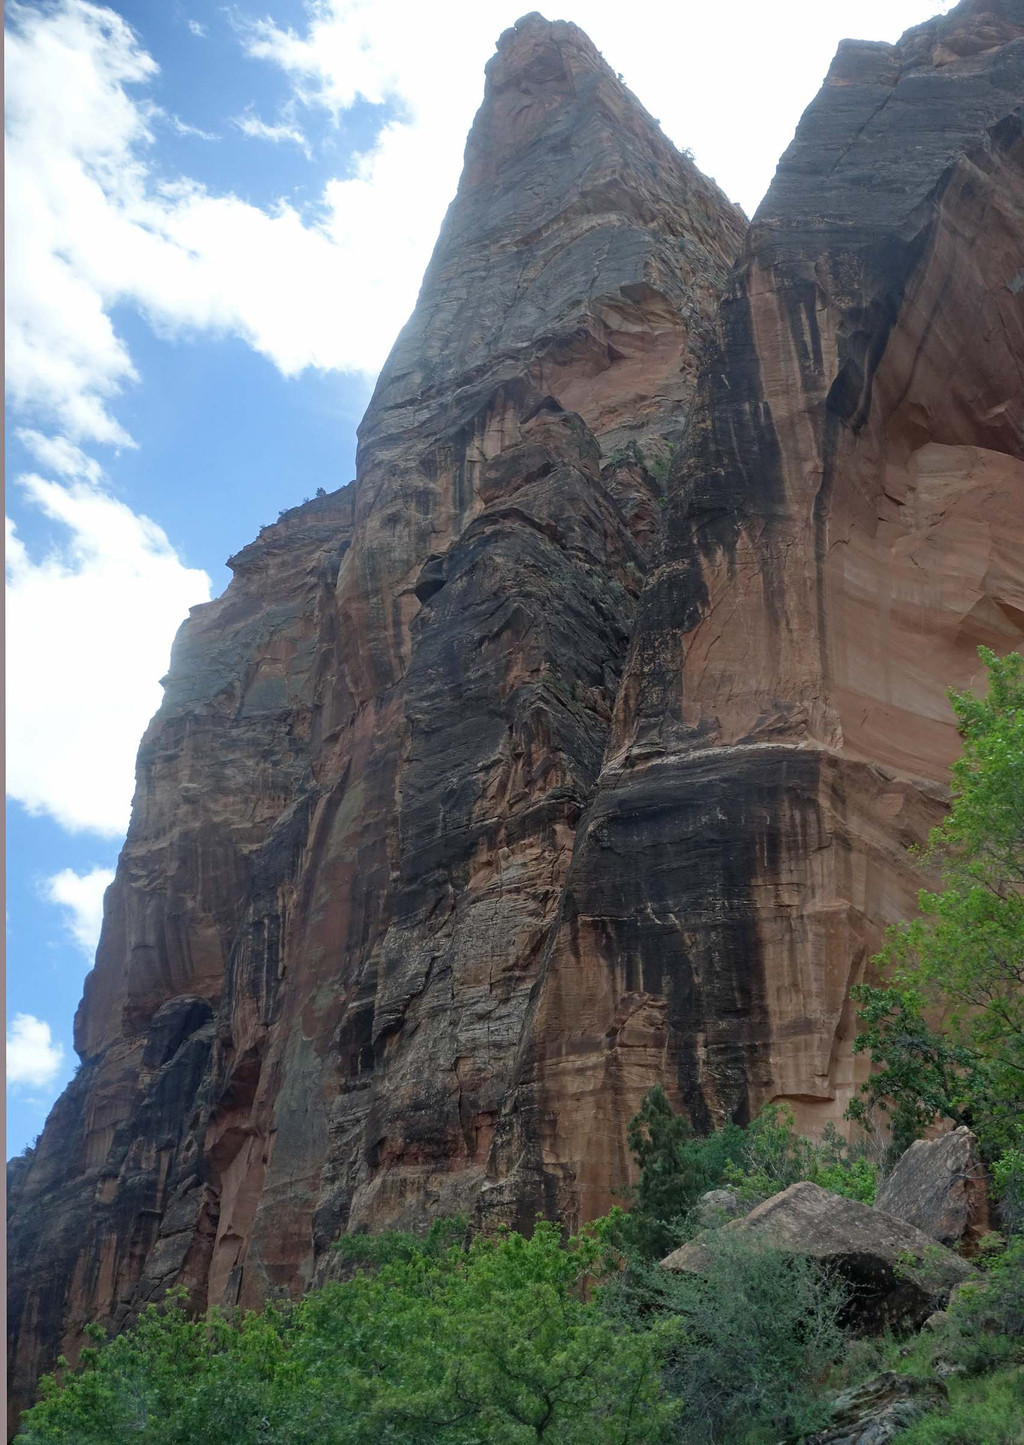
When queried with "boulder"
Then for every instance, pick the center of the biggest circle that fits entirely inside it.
(940, 1187)
(877, 1411)
(897, 1274)
(717, 1207)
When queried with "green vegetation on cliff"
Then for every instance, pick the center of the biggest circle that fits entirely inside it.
(946, 1031)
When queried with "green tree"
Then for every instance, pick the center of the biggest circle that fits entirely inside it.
(676, 1166)
(491, 1344)
(962, 960)
(774, 1156)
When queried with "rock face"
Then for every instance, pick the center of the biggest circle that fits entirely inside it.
(845, 525)
(716, 1207)
(515, 778)
(356, 808)
(897, 1274)
(940, 1186)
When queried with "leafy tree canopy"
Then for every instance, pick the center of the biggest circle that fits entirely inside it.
(490, 1344)
(962, 961)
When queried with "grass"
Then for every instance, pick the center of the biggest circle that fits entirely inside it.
(985, 1410)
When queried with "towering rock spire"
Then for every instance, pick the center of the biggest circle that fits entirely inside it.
(356, 808)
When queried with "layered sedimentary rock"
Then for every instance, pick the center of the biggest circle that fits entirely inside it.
(513, 778)
(355, 810)
(845, 526)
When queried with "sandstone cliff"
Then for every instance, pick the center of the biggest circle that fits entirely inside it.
(510, 779)
(356, 807)
(845, 526)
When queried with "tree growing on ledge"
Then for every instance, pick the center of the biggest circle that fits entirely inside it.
(962, 959)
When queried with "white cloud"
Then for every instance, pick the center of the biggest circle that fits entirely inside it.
(59, 455)
(89, 630)
(97, 226)
(251, 125)
(197, 29)
(33, 1059)
(182, 127)
(81, 895)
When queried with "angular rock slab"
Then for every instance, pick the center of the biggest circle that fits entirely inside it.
(877, 1411)
(718, 1206)
(939, 1186)
(863, 1245)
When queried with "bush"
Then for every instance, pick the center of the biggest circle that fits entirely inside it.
(982, 1412)
(774, 1156)
(985, 1325)
(757, 1334)
(1008, 1177)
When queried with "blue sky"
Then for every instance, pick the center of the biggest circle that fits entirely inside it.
(218, 217)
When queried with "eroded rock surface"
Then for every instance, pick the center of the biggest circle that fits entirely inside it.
(940, 1186)
(355, 810)
(880, 1410)
(513, 778)
(845, 526)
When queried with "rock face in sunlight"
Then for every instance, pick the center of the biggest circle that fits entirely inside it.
(576, 745)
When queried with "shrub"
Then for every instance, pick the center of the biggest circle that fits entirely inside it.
(985, 1324)
(986, 1411)
(1008, 1177)
(774, 1156)
(757, 1334)
(962, 959)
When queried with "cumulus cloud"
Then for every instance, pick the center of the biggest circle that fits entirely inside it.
(98, 226)
(33, 1059)
(89, 629)
(330, 287)
(81, 896)
(57, 454)
(197, 29)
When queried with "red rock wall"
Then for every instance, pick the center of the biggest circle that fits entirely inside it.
(355, 810)
(509, 780)
(845, 526)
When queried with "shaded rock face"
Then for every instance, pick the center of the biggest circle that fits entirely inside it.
(940, 1186)
(895, 1274)
(355, 810)
(844, 527)
(511, 779)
